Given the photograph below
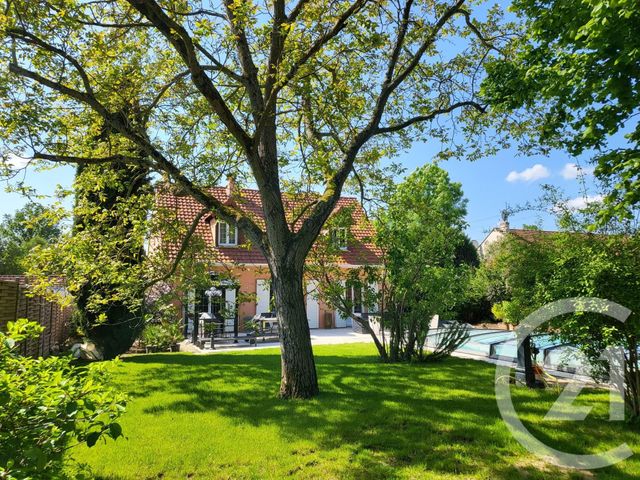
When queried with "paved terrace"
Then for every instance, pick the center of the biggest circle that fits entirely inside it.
(332, 336)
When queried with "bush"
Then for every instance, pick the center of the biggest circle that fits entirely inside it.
(48, 406)
(450, 337)
(162, 335)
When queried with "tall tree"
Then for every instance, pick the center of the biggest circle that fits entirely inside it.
(21, 232)
(292, 96)
(425, 268)
(574, 76)
(107, 216)
(422, 236)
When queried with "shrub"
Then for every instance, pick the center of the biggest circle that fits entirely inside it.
(48, 406)
(162, 335)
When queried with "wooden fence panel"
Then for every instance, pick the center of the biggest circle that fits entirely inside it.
(15, 302)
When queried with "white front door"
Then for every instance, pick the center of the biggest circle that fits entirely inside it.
(341, 320)
(263, 292)
(313, 308)
(230, 307)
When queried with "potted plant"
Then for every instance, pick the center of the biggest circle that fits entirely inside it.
(252, 328)
(174, 335)
(152, 338)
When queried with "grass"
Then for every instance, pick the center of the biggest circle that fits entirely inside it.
(216, 416)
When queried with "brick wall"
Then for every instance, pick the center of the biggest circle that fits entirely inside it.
(15, 302)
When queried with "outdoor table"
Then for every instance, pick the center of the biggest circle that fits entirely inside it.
(264, 321)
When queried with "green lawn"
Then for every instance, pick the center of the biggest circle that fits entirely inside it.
(216, 416)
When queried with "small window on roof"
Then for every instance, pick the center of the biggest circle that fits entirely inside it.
(340, 237)
(227, 234)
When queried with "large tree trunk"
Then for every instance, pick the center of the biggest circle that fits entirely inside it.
(299, 378)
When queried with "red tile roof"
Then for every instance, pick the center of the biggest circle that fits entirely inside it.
(530, 235)
(361, 250)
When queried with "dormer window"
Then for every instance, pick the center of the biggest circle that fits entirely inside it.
(227, 234)
(340, 237)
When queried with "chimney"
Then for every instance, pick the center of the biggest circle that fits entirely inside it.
(503, 226)
(231, 185)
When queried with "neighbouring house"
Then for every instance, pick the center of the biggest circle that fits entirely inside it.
(503, 229)
(495, 235)
(240, 279)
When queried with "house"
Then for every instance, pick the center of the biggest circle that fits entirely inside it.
(240, 279)
(503, 229)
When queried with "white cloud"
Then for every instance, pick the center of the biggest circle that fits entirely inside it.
(15, 162)
(571, 171)
(530, 174)
(581, 202)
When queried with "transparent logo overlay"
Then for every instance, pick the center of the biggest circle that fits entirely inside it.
(563, 408)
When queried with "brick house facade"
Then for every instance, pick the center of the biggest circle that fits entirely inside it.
(232, 256)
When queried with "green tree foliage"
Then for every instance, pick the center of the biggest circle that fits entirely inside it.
(574, 73)
(422, 235)
(513, 269)
(425, 268)
(21, 232)
(292, 97)
(567, 264)
(476, 308)
(48, 406)
(102, 257)
(110, 207)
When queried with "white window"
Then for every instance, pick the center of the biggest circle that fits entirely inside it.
(227, 234)
(340, 237)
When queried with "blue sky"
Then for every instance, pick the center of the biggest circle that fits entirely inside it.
(508, 179)
(489, 184)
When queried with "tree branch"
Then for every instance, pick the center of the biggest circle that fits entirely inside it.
(86, 160)
(181, 251)
(313, 223)
(183, 44)
(250, 72)
(424, 118)
(160, 162)
(389, 88)
(180, 76)
(397, 48)
(338, 26)
(200, 11)
(220, 67)
(477, 32)
(29, 38)
(276, 47)
(96, 23)
(297, 9)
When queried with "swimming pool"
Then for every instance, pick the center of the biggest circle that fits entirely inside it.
(502, 345)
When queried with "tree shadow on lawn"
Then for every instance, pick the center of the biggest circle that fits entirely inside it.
(435, 417)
